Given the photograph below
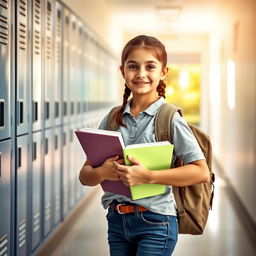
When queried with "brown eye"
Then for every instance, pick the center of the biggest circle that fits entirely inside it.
(132, 67)
(150, 67)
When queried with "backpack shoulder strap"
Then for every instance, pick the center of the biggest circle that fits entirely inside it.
(111, 123)
(163, 124)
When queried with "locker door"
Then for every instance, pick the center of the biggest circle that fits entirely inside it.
(48, 161)
(21, 177)
(48, 64)
(36, 188)
(5, 196)
(73, 81)
(58, 64)
(66, 170)
(72, 166)
(22, 64)
(66, 68)
(57, 174)
(36, 66)
(5, 72)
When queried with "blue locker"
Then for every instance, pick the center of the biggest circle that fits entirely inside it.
(5, 72)
(57, 164)
(58, 64)
(49, 86)
(22, 67)
(5, 196)
(36, 189)
(22, 153)
(72, 166)
(66, 169)
(66, 68)
(36, 65)
(48, 174)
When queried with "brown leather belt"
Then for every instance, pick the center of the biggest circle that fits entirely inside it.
(123, 208)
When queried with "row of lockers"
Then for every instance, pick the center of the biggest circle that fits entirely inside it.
(52, 66)
(55, 77)
(47, 187)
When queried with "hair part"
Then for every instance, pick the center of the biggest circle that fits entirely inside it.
(147, 42)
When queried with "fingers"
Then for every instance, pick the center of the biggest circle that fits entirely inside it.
(133, 160)
(111, 159)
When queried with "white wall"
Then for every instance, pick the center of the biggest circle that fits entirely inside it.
(233, 130)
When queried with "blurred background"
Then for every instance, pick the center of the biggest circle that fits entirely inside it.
(59, 69)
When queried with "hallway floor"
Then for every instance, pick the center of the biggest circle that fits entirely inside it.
(225, 235)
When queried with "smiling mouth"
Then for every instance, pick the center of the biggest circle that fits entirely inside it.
(141, 83)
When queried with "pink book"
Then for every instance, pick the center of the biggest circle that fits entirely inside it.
(99, 145)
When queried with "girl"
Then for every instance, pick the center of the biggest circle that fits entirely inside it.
(146, 226)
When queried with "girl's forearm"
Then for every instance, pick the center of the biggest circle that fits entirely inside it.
(186, 175)
(90, 176)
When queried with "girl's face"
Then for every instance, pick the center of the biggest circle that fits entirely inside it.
(142, 72)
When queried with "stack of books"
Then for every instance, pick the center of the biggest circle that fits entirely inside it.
(99, 145)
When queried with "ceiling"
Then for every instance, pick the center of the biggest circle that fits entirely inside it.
(165, 16)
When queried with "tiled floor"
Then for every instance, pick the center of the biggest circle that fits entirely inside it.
(224, 235)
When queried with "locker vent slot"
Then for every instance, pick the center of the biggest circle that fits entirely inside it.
(22, 36)
(34, 151)
(36, 221)
(37, 44)
(19, 157)
(22, 233)
(21, 112)
(1, 114)
(56, 109)
(37, 14)
(4, 4)
(56, 142)
(3, 244)
(46, 146)
(59, 23)
(58, 52)
(23, 8)
(49, 17)
(3, 30)
(48, 47)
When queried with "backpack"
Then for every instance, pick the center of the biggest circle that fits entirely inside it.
(193, 202)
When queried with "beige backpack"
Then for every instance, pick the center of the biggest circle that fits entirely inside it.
(193, 202)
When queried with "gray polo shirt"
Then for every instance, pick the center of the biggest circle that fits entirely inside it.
(141, 130)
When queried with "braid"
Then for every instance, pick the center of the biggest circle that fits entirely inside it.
(161, 88)
(119, 114)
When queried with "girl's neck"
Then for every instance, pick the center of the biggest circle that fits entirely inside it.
(139, 104)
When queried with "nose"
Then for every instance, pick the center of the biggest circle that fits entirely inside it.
(141, 73)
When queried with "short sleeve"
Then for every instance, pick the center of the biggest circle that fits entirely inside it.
(103, 124)
(186, 146)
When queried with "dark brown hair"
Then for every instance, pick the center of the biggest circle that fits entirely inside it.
(147, 42)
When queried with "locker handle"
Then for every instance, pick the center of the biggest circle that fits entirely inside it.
(46, 146)
(65, 108)
(21, 111)
(56, 109)
(47, 110)
(72, 108)
(56, 142)
(34, 151)
(19, 157)
(35, 111)
(2, 114)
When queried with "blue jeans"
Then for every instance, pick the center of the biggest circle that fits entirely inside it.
(141, 233)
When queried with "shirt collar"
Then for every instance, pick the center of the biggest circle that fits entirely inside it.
(151, 110)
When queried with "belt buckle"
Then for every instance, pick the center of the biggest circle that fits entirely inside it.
(118, 210)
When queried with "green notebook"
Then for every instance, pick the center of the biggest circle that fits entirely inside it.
(154, 156)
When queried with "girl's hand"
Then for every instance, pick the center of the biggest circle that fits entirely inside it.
(133, 175)
(108, 170)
